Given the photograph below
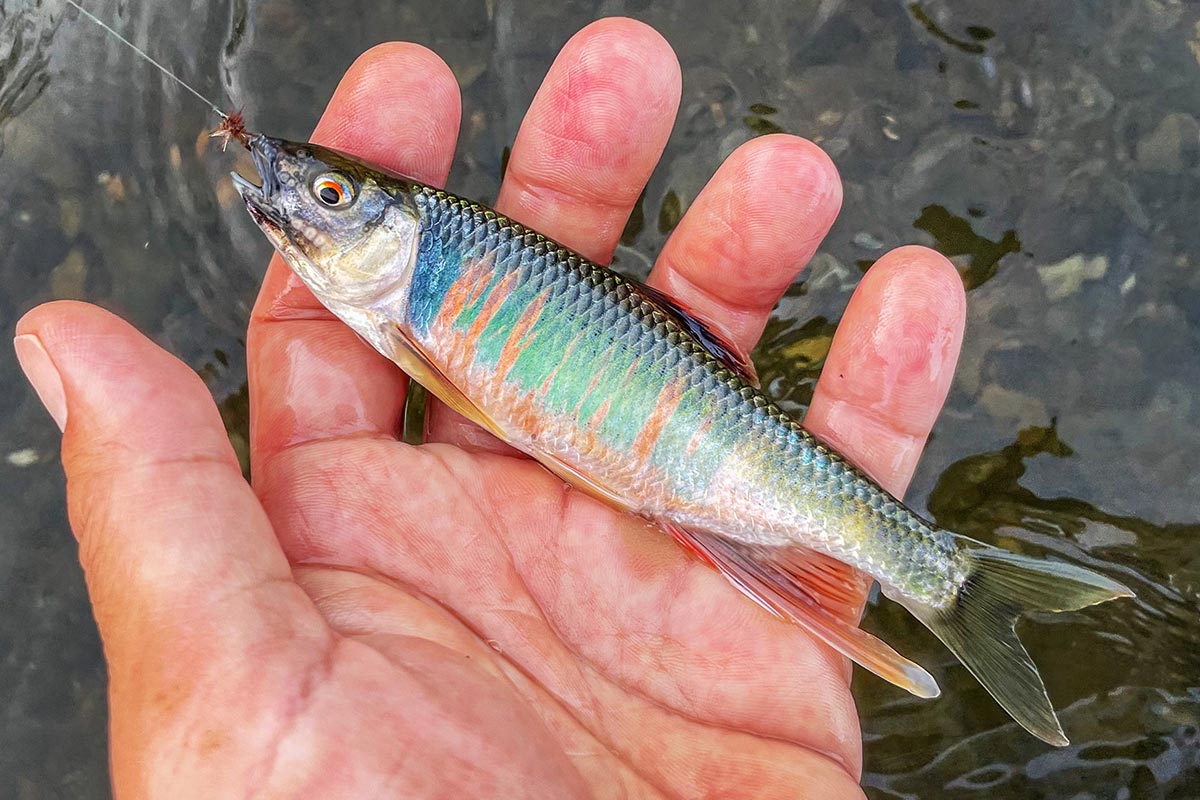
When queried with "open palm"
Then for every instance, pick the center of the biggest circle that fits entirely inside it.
(450, 620)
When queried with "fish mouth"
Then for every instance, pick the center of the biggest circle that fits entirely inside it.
(258, 199)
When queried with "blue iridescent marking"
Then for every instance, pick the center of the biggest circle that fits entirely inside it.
(438, 265)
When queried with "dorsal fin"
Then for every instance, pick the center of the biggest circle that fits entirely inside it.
(717, 344)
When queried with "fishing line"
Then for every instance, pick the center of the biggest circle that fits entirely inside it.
(146, 56)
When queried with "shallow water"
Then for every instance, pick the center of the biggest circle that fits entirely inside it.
(1052, 147)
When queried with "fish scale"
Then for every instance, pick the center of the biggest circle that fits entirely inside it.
(845, 514)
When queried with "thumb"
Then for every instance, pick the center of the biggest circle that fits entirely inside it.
(184, 571)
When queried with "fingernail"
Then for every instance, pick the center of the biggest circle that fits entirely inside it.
(42, 373)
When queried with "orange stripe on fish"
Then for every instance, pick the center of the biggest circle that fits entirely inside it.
(598, 416)
(665, 405)
(591, 387)
(525, 411)
(544, 389)
(699, 436)
(490, 306)
(464, 291)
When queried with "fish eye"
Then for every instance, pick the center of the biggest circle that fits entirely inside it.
(333, 190)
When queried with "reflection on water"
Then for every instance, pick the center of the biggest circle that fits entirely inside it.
(24, 39)
(954, 236)
(1050, 147)
(1104, 667)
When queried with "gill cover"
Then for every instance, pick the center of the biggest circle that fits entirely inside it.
(348, 230)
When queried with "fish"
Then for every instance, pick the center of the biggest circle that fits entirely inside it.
(629, 397)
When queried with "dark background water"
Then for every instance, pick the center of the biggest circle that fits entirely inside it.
(1052, 147)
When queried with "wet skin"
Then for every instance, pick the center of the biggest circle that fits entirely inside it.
(372, 618)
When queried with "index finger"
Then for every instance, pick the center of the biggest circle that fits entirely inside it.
(311, 377)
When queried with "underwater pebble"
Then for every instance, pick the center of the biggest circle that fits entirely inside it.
(114, 186)
(70, 215)
(867, 241)
(1165, 148)
(23, 458)
(890, 128)
(1007, 404)
(827, 270)
(1064, 278)
(830, 118)
(69, 278)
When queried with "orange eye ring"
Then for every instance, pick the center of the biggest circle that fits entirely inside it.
(333, 190)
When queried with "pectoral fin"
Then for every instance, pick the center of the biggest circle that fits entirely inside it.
(420, 368)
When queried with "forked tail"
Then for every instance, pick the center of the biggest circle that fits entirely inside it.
(979, 627)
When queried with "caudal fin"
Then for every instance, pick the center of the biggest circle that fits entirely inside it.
(979, 628)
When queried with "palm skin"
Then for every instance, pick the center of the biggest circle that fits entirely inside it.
(450, 620)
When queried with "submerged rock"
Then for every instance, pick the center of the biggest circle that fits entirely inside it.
(1172, 146)
(1067, 276)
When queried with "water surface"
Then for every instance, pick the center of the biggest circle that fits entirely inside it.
(1050, 147)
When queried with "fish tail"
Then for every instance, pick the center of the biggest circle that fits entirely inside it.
(979, 625)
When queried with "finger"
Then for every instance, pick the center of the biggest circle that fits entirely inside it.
(311, 377)
(185, 574)
(585, 150)
(891, 363)
(593, 135)
(749, 232)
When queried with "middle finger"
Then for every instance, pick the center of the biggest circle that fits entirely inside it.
(586, 148)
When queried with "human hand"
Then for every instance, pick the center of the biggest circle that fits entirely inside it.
(448, 620)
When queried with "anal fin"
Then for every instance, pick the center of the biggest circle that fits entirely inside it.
(812, 591)
(836, 587)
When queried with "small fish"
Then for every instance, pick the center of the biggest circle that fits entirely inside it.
(625, 395)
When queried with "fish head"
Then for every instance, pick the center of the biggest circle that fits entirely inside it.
(349, 230)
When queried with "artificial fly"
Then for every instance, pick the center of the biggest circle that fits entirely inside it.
(232, 127)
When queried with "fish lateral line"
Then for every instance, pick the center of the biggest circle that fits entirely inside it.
(232, 126)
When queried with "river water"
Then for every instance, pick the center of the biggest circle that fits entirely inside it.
(1050, 147)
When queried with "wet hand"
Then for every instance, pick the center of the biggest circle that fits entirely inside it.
(372, 618)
